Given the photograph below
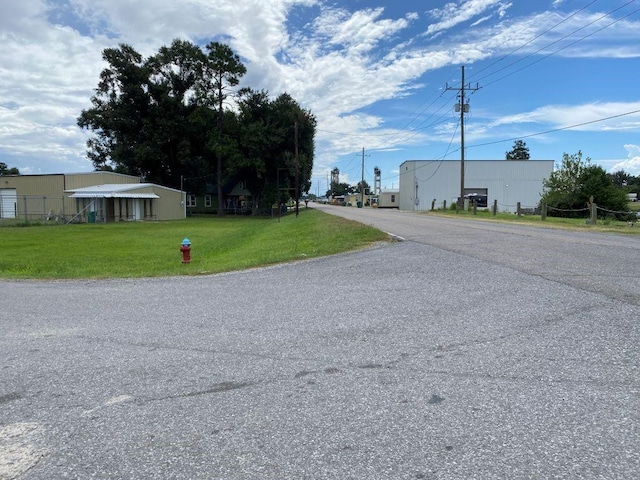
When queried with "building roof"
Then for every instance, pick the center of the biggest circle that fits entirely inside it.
(113, 190)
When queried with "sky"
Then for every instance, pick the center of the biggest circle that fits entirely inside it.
(381, 77)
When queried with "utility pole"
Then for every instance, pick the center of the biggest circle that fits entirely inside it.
(463, 108)
(362, 180)
(297, 172)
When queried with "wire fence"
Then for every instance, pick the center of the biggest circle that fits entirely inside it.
(27, 209)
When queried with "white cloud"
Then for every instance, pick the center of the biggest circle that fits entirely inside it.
(561, 116)
(453, 14)
(632, 164)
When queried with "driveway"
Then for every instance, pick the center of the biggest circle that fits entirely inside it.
(469, 351)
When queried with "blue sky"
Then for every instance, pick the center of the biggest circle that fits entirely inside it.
(562, 75)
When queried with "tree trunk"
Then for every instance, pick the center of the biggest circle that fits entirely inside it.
(219, 152)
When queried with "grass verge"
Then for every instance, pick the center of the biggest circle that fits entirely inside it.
(152, 249)
(602, 225)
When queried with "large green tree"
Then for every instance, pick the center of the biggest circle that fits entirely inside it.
(570, 187)
(145, 116)
(269, 132)
(222, 71)
(520, 151)
(166, 118)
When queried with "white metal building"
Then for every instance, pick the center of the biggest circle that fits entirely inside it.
(427, 182)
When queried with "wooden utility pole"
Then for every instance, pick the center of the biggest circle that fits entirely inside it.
(463, 108)
(362, 181)
(297, 171)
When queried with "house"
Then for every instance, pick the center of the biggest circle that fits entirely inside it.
(427, 183)
(236, 198)
(87, 197)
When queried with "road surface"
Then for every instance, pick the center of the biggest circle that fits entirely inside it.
(468, 351)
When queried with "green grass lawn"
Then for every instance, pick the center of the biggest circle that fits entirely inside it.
(150, 249)
(602, 225)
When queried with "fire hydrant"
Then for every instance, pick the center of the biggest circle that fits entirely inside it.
(185, 248)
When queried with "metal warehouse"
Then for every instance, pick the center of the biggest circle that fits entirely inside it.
(87, 197)
(424, 183)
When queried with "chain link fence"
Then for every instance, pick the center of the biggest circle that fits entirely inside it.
(28, 209)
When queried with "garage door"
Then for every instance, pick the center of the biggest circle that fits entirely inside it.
(8, 202)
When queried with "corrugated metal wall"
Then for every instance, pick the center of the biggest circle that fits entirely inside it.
(508, 182)
(171, 204)
(40, 196)
(89, 179)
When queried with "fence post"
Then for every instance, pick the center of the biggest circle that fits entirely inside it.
(24, 199)
(543, 213)
(475, 207)
(593, 211)
(444, 205)
(518, 207)
(433, 205)
(495, 207)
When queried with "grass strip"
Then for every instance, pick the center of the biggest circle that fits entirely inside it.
(152, 249)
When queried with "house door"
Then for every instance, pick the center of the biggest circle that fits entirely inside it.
(8, 202)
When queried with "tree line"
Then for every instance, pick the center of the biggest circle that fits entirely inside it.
(175, 118)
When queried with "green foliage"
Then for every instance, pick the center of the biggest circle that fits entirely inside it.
(520, 151)
(165, 118)
(146, 116)
(5, 170)
(149, 249)
(270, 133)
(341, 189)
(570, 187)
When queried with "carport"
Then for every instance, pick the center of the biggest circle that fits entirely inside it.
(113, 202)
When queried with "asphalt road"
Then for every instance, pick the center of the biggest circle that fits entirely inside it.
(469, 351)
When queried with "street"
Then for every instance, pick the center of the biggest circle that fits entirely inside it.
(469, 350)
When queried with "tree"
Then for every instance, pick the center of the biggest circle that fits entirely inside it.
(363, 186)
(570, 187)
(597, 184)
(5, 170)
(620, 178)
(267, 146)
(223, 70)
(165, 118)
(144, 116)
(520, 151)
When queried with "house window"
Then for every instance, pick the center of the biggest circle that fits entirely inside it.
(393, 199)
(207, 200)
(191, 200)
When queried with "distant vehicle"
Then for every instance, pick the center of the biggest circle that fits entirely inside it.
(479, 198)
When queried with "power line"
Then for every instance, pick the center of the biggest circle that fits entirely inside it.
(558, 40)
(532, 40)
(556, 129)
